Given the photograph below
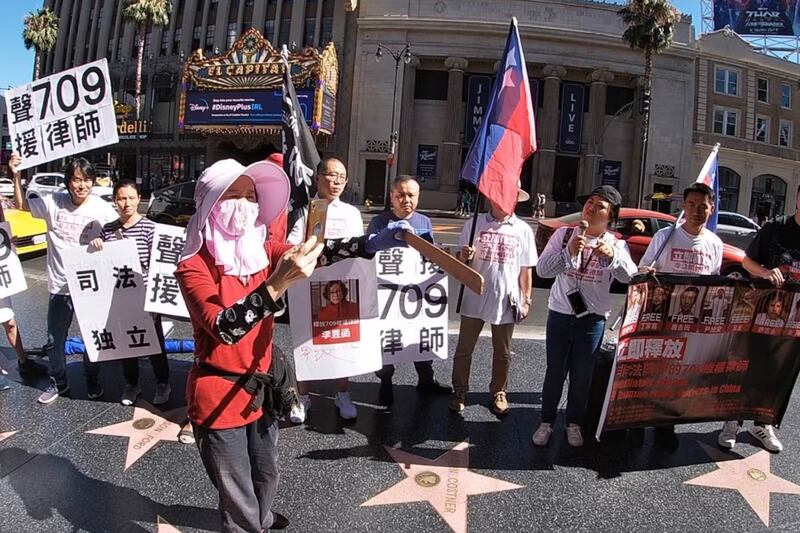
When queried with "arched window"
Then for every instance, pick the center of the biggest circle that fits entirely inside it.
(769, 197)
(728, 189)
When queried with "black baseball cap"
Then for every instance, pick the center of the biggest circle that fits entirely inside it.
(606, 192)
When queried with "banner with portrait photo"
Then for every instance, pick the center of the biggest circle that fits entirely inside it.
(108, 292)
(704, 348)
(334, 321)
(412, 297)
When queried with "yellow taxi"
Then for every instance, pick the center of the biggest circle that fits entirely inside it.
(28, 233)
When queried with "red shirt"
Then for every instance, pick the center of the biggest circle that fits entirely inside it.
(215, 402)
(277, 230)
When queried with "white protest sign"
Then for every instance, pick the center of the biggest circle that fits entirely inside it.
(412, 298)
(62, 115)
(334, 320)
(164, 296)
(108, 292)
(12, 279)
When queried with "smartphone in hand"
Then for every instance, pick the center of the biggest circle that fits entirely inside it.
(317, 215)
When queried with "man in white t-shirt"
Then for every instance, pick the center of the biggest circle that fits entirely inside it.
(504, 252)
(74, 217)
(689, 248)
(343, 220)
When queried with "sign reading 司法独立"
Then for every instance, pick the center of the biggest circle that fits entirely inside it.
(164, 296)
(412, 298)
(62, 115)
(108, 291)
(12, 279)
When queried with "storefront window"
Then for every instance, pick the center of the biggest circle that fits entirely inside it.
(768, 199)
(728, 189)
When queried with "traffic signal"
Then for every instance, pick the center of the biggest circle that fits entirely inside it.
(644, 101)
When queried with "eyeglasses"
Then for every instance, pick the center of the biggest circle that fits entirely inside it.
(335, 177)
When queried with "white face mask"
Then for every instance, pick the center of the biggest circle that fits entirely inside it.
(235, 216)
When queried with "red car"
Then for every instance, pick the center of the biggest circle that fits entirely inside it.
(638, 241)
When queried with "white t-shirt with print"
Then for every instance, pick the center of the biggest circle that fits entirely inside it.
(343, 220)
(502, 249)
(68, 226)
(684, 253)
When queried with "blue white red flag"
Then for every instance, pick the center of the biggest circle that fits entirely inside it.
(709, 175)
(507, 134)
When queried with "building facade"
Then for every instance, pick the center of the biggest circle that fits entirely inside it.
(152, 147)
(585, 81)
(750, 104)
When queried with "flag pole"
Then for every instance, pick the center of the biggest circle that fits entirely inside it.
(478, 206)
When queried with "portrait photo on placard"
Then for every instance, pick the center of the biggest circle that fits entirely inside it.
(335, 314)
(793, 323)
(743, 309)
(772, 310)
(684, 313)
(656, 307)
(716, 308)
(637, 295)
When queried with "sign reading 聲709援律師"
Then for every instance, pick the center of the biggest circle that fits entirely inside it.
(164, 296)
(108, 291)
(12, 279)
(412, 300)
(61, 115)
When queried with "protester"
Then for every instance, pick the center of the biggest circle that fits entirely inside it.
(774, 255)
(74, 217)
(688, 248)
(405, 197)
(343, 221)
(504, 252)
(584, 264)
(132, 225)
(232, 278)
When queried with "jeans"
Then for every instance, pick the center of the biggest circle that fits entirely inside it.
(572, 344)
(468, 333)
(130, 366)
(243, 466)
(60, 312)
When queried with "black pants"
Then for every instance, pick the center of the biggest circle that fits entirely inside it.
(242, 463)
(424, 371)
(130, 367)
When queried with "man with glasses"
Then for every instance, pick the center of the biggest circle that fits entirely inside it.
(74, 217)
(343, 221)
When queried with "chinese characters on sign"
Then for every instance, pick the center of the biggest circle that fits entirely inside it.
(61, 115)
(412, 298)
(108, 292)
(12, 280)
(163, 294)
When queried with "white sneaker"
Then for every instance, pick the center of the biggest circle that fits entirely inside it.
(130, 394)
(163, 391)
(727, 437)
(297, 415)
(574, 437)
(766, 436)
(345, 405)
(542, 435)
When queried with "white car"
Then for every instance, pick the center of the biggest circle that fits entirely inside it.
(736, 229)
(50, 182)
(6, 187)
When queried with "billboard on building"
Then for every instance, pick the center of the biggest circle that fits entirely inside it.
(758, 17)
(252, 107)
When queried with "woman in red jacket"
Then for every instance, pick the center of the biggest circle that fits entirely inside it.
(232, 278)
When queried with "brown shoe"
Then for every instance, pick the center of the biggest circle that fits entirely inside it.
(500, 403)
(457, 402)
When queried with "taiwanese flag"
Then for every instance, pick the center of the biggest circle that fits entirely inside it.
(709, 175)
(507, 134)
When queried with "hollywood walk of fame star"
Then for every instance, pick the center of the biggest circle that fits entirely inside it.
(750, 476)
(444, 482)
(166, 527)
(148, 426)
(7, 434)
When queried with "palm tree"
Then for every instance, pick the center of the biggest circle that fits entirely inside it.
(40, 33)
(145, 14)
(649, 28)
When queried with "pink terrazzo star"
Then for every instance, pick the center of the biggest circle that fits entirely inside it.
(147, 427)
(444, 482)
(750, 476)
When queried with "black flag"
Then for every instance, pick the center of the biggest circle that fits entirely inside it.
(300, 156)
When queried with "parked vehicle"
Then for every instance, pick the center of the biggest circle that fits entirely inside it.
(736, 229)
(637, 241)
(27, 233)
(6, 187)
(172, 205)
(50, 182)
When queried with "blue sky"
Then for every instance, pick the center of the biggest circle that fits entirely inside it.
(18, 62)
